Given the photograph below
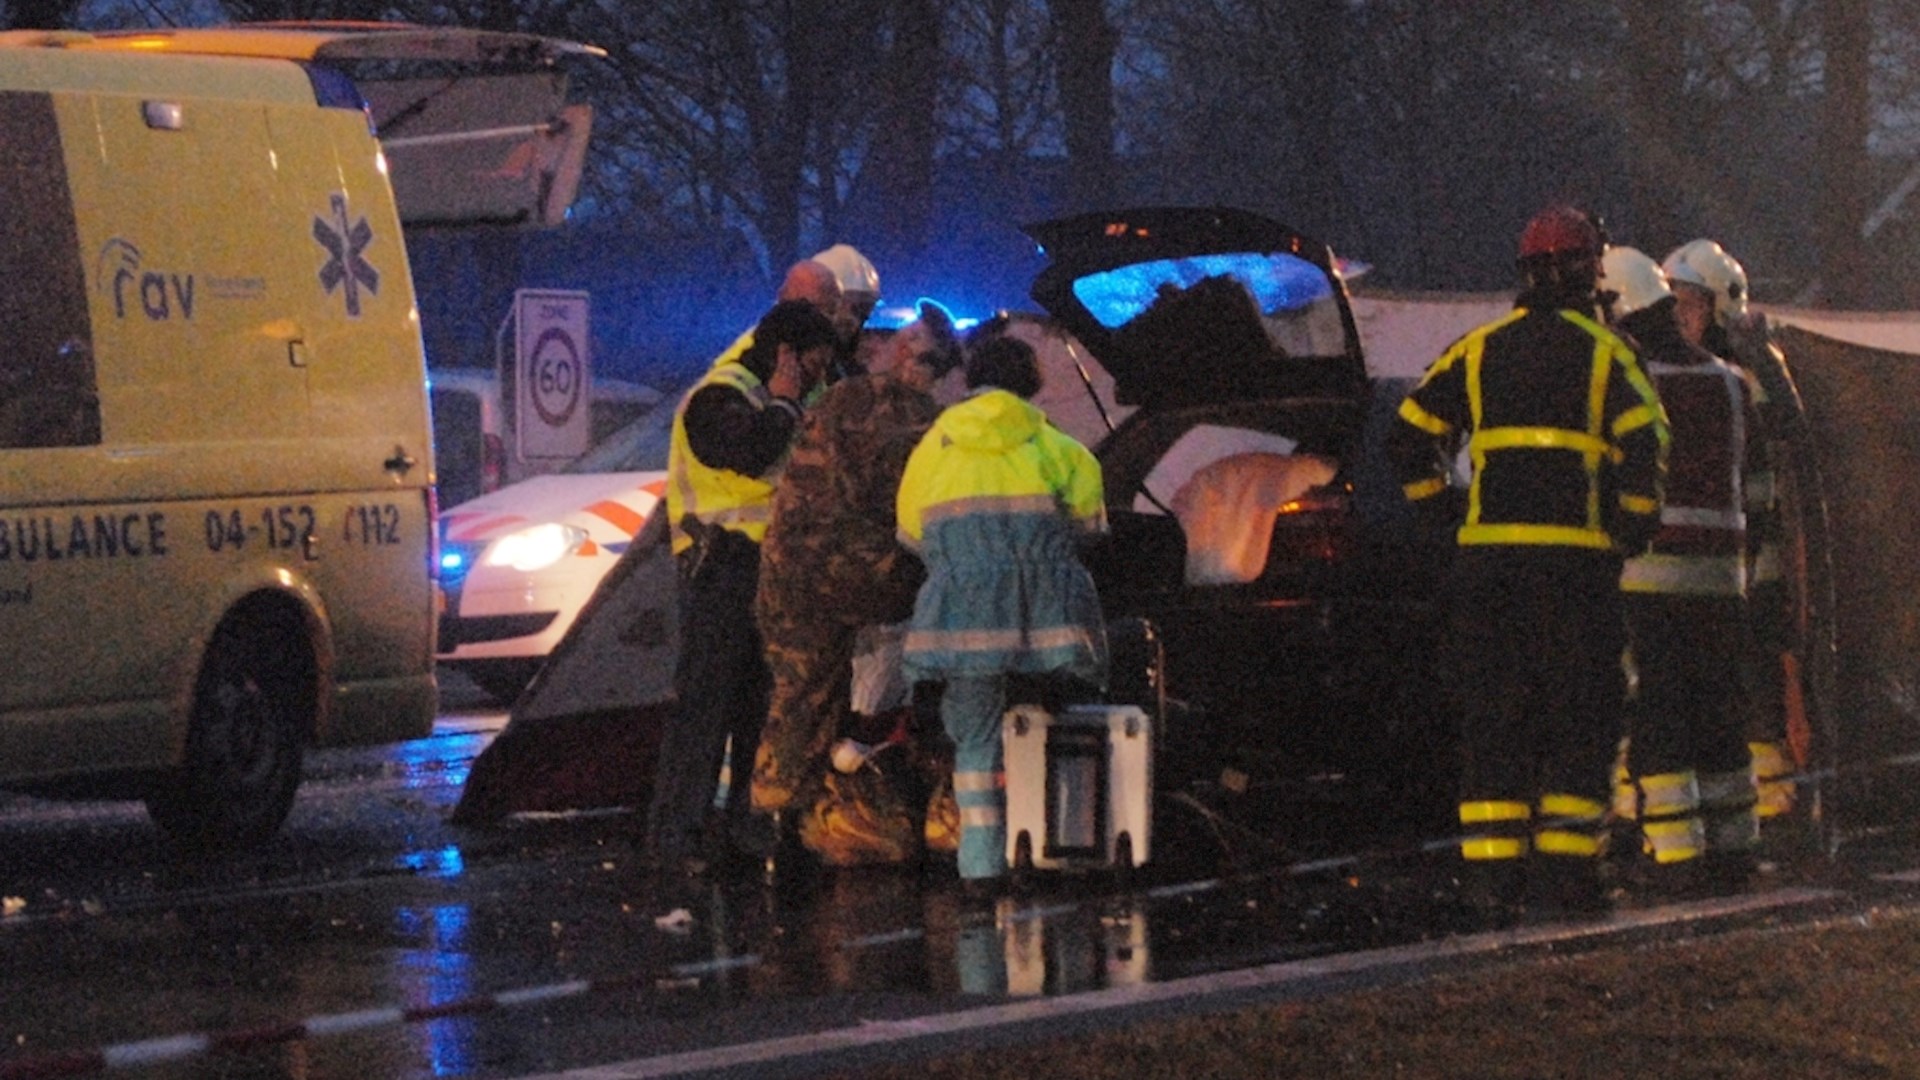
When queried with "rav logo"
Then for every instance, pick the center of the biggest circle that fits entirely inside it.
(344, 242)
(157, 293)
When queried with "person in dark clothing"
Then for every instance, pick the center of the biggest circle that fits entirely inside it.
(1687, 596)
(1567, 444)
(1710, 291)
(730, 442)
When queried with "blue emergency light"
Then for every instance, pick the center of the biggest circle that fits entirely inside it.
(898, 317)
(1278, 282)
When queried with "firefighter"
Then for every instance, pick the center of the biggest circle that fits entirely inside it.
(997, 501)
(1711, 288)
(830, 565)
(858, 286)
(729, 443)
(1686, 597)
(1567, 444)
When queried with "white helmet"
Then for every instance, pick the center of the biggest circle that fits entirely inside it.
(1707, 265)
(1635, 280)
(859, 281)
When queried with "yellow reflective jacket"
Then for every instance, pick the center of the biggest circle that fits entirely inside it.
(718, 496)
(994, 499)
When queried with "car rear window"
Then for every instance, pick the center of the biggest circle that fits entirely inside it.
(1277, 281)
(1294, 299)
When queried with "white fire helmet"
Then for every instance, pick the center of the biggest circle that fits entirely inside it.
(859, 281)
(1707, 265)
(1634, 279)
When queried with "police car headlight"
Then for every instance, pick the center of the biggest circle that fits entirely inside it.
(535, 548)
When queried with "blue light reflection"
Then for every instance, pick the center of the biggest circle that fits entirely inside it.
(440, 966)
(1278, 281)
(444, 862)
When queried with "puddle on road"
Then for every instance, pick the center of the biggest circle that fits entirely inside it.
(873, 931)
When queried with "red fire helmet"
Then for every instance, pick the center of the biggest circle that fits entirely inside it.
(1560, 230)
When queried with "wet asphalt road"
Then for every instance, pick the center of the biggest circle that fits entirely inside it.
(374, 939)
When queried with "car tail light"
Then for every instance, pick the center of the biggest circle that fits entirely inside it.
(1312, 530)
(493, 463)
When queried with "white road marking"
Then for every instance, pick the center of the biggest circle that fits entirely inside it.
(877, 1033)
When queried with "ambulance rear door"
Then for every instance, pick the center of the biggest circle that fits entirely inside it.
(370, 442)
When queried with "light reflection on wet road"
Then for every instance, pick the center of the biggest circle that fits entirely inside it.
(532, 947)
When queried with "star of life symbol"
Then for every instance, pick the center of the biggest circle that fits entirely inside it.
(344, 242)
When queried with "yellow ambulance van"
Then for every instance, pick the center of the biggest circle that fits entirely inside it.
(216, 470)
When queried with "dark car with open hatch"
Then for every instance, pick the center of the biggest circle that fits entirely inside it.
(1253, 523)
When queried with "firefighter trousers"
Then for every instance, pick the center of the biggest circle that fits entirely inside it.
(1534, 645)
(1688, 748)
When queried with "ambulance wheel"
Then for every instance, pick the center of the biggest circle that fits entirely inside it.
(252, 705)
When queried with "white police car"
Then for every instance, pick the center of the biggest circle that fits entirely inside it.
(517, 564)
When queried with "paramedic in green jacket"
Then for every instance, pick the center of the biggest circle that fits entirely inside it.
(997, 502)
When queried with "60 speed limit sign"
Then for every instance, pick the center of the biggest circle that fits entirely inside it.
(551, 378)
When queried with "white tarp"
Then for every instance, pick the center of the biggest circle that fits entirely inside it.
(1229, 507)
(1403, 332)
(1892, 331)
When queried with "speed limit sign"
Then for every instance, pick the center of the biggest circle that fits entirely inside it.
(552, 381)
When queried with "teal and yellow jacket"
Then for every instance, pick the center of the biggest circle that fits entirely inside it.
(996, 500)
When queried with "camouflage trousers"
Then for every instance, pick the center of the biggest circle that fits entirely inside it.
(811, 661)
(809, 611)
(890, 810)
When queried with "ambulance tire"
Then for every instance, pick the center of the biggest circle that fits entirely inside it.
(253, 704)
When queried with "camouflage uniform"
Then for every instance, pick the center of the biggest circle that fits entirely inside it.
(829, 565)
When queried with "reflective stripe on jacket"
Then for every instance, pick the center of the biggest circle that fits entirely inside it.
(722, 497)
(1564, 431)
(1702, 546)
(995, 500)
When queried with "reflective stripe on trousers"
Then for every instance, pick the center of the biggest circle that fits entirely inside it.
(1571, 825)
(970, 710)
(1772, 778)
(1727, 804)
(1670, 816)
(1494, 829)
